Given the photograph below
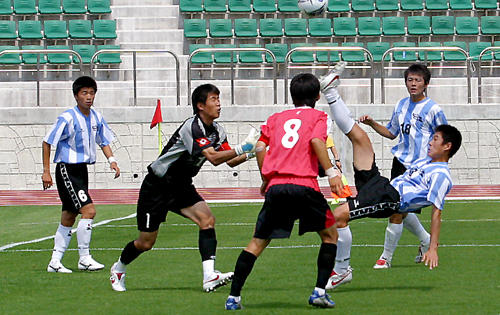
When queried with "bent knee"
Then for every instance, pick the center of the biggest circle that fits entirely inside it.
(144, 246)
(207, 223)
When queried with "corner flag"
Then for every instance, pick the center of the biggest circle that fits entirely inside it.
(157, 119)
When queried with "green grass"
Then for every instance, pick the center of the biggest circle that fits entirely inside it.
(168, 280)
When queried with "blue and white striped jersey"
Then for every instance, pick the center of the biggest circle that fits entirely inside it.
(73, 134)
(415, 124)
(423, 184)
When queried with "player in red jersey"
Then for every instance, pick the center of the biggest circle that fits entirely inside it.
(291, 144)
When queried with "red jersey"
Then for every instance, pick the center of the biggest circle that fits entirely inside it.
(290, 158)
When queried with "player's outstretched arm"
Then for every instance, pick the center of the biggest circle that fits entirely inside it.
(260, 153)
(430, 258)
(111, 159)
(381, 130)
(46, 178)
(334, 176)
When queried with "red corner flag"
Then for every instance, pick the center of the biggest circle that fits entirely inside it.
(157, 116)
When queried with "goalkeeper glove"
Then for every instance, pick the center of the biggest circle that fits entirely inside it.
(249, 143)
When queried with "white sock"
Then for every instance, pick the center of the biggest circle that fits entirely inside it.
(208, 268)
(236, 298)
(412, 224)
(61, 241)
(321, 291)
(120, 267)
(83, 234)
(344, 243)
(341, 114)
(392, 235)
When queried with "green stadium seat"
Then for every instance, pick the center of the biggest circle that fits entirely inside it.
(377, 49)
(339, 6)
(353, 56)
(443, 25)
(302, 56)
(486, 4)
(31, 59)
(59, 58)
(99, 6)
(25, 7)
(490, 25)
(406, 55)
(202, 57)
(460, 5)
(245, 28)
(264, 5)
(344, 26)
(10, 59)
(362, 5)
(393, 25)
(454, 55)
(419, 25)
(49, 6)
(55, 29)
(467, 25)
(250, 56)
(271, 27)
(239, 6)
(8, 30)
(411, 5)
(30, 29)
(220, 28)
(6, 7)
(436, 4)
(223, 56)
(288, 6)
(74, 7)
(430, 55)
(214, 5)
(104, 29)
(497, 52)
(85, 51)
(387, 5)
(195, 28)
(295, 27)
(80, 29)
(191, 5)
(475, 49)
(327, 55)
(109, 58)
(320, 27)
(369, 26)
(279, 51)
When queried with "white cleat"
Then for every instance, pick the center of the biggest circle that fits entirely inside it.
(56, 266)
(422, 249)
(217, 279)
(88, 263)
(335, 279)
(117, 280)
(382, 264)
(332, 78)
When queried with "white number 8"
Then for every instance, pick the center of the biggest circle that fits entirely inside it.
(291, 136)
(83, 197)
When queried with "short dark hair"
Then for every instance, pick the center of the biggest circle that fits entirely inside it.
(421, 69)
(450, 135)
(200, 95)
(304, 89)
(84, 82)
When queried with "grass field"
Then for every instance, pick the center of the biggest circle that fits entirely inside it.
(168, 279)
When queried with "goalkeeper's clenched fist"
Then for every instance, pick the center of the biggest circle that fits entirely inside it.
(248, 145)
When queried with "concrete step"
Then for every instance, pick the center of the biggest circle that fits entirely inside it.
(147, 23)
(143, 2)
(158, 36)
(146, 11)
(176, 48)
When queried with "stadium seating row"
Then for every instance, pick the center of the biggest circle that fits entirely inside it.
(247, 6)
(377, 49)
(85, 51)
(56, 29)
(343, 26)
(26, 7)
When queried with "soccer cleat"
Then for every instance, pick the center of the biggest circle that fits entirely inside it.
(335, 279)
(332, 78)
(117, 279)
(56, 266)
(232, 304)
(322, 301)
(382, 264)
(88, 263)
(217, 279)
(422, 249)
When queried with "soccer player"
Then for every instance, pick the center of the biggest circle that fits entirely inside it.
(168, 186)
(426, 182)
(414, 120)
(289, 170)
(74, 134)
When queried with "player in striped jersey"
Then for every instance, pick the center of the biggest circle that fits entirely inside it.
(425, 183)
(74, 135)
(414, 120)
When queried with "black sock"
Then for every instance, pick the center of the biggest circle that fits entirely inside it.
(207, 243)
(326, 262)
(244, 266)
(129, 253)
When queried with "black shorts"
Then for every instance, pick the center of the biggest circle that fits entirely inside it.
(286, 203)
(73, 186)
(158, 196)
(376, 197)
(397, 168)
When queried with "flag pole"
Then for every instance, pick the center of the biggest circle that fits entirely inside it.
(159, 138)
